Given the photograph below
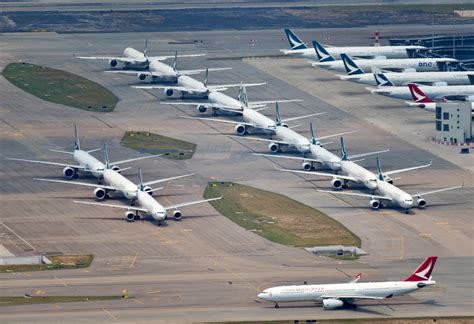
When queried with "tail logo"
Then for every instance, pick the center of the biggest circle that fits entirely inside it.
(423, 273)
(351, 66)
(382, 80)
(295, 42)
(417, 94)
(424, 270)
(322, 53)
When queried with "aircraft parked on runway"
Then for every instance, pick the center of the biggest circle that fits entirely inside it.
(85, 162)
(353, 67)
(299, 49)
(142, 193)
(134, 59)
(189, 87)
(381, 78)
(421, 100)
(337, 295)
(436, 93)
(160, 72)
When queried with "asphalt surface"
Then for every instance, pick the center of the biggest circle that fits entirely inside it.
(205, 267)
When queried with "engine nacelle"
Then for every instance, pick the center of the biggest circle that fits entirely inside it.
(129, 216)
(274, 147)
(374, 204)
(177, 215)
(100, 193)
(284, 125)
(169, 92)
(141, 77)
(148, 190)
(240, 129)
(113, 63)
(332, 303)
(337, 183)
(201, 109)
(69, 172)
(116, 168)
(307, 166)
(421, 203)
(427, 105)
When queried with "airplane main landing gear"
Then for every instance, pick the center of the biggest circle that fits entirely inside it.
(276, 305)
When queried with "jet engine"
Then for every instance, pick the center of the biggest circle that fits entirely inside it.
(421, 203)
(177, 215)
(130, 216)
(240, 129)
(169, 92)
(427, 105)
(274, 147)
(69, 172)
(332, 303)
(374, 204)
(337, 183)
(148, 189)
(142, 77)
(307, 166)
(100, 193)
(113, 63)
(201, 108)
(115, 168)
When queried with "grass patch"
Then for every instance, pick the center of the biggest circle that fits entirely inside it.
(60, 87)
(58, 263)
(146, 142)
(17, 301)
(278, 218)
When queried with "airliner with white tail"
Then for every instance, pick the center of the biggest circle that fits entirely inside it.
(134, 59)
(334, 296)
(299, 49)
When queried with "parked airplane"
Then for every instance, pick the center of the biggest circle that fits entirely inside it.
(298, 48)
(190, 87)
(388, 193)
(421, 100)
(220, 101)
(160, 72)
(353, 172)
(318, 154)
(352, 67)
(381, 78)
(85, 162)
(436, 93)
(148, 205)
(284, 135)
(337, 295)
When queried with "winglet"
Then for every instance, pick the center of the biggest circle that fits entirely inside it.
(351, 66)
(417, 94)
(295, 42)
(424, 270)
(322, 53)
(77, 143)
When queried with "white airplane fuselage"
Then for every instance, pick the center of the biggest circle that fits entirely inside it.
(196, 88)
(361, 174)
(153, 207)
(398, 196)
(326, 157)
(433, 92)
(140, 61)
(89, 162)
(390, 52)
(126, 187)
(163, 72)
(403, 78)
(319, 292)
(418, 64)
(294, 139)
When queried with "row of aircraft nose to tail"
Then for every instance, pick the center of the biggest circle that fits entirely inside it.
(279, 134)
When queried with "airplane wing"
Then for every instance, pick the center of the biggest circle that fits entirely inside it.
(135, 159)
(266, 102)
(177, 88)
(149, 183)
(206, 104)
(111, 205)
(80, 167)
(63, 152)
(288, 157)
(261, 139)
(320, 174)
(222, 87)
(129, 72)
(334, 135)
(110, 58)
(436, 191)
(79, 183)
(407, 169)
(167, 57)
(355, 156)
(300, 117)
(191, 72)
(336, 296)
(220, 120)
(356, 194)
(192, 203)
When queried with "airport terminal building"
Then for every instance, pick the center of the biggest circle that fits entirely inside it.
(453, 123)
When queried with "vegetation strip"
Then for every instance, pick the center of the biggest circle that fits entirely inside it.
(146, 142)
(30, 300)
(60, 87)
(278, 218)
(58, 263)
